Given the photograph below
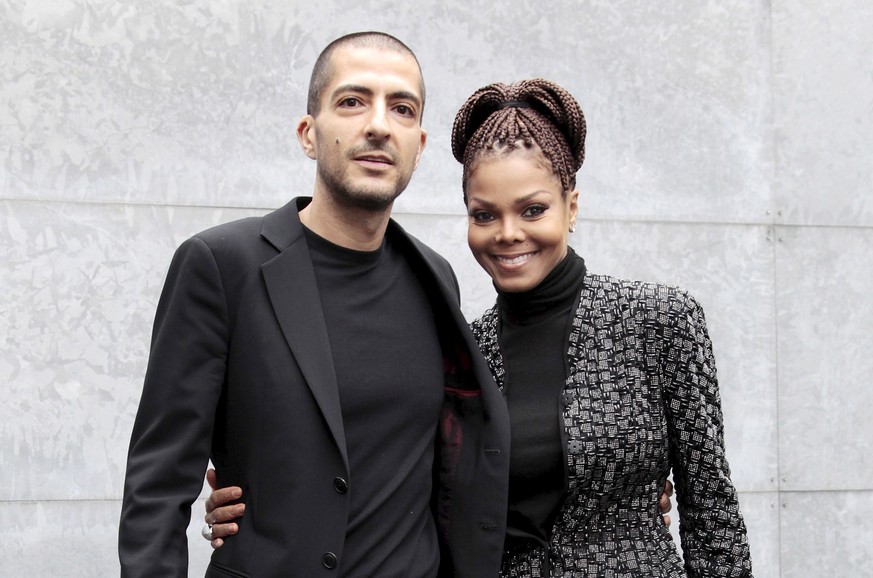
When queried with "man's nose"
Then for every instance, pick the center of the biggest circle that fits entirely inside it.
(377, 123)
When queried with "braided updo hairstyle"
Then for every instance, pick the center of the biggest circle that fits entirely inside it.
(500, 118)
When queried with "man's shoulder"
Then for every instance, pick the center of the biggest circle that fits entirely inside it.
(420, 255)
(239, 244)
(425, 251)
(233, 231)
(278, 226)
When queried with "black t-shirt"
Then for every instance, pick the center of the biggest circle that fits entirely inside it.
(389, 370)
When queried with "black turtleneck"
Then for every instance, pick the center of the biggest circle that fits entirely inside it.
(534, 332)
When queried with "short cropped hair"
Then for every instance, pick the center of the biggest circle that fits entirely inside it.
(321, 72)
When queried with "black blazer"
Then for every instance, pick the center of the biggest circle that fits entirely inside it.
(240, 371)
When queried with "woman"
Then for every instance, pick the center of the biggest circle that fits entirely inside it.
(625, 368)
(610, 384)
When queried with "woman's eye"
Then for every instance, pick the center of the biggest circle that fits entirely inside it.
(534, 211)
(481, 216)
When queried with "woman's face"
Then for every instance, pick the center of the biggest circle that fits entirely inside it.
(518, 219)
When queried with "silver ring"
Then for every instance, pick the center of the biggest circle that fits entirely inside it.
(206, 531)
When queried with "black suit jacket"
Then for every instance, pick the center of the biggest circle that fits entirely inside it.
(240, 371)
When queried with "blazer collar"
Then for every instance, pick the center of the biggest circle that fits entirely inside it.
(282, 227)
(293, 292)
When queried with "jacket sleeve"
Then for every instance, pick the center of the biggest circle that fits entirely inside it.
(713, 534)
(171, 438)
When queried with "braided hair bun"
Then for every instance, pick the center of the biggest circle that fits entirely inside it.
(500, 118)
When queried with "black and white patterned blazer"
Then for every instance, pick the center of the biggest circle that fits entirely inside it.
(641, 398)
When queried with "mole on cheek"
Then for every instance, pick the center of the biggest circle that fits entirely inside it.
(337, 141)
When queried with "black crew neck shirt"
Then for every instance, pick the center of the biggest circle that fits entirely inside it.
(389, 370)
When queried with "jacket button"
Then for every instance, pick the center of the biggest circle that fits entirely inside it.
(340, 485)
(329, 560)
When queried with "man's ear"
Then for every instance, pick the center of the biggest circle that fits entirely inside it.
(420, 147)
(306, 135)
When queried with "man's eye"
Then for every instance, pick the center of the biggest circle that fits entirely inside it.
(405, 110)
(350, 102)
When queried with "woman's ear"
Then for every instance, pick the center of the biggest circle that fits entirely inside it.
(573, 207)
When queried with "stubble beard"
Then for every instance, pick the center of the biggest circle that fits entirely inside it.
(370, 199)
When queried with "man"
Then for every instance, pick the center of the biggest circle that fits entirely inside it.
(318, 356)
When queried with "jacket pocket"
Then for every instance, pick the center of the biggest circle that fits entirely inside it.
(216, 570)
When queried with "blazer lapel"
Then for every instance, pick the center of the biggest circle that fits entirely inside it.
(291, 285)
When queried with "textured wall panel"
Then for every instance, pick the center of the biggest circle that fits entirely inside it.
(762, 516)
(825, 316)
(80, 285)
(823, 111)
(74, 539)
(827, 534)
(197, 103)
(148, 102)
(676, 96)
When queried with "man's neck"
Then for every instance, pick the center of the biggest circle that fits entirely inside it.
(349, 227)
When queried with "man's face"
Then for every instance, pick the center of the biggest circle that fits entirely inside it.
(367, 136)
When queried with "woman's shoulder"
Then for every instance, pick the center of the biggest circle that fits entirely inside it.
(634, 294)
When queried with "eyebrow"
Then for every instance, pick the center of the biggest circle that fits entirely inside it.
(518, 201)
(396, 95)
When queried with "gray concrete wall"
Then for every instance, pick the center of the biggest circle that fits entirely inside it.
(729, 152)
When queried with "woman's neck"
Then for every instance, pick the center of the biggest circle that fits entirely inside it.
(553, 295)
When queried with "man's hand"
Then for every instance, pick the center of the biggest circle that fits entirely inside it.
(663, 502)
(220, 517)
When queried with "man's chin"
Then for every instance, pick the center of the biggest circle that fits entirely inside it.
(375, 201)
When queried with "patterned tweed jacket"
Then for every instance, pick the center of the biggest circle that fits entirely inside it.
(641, 398)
